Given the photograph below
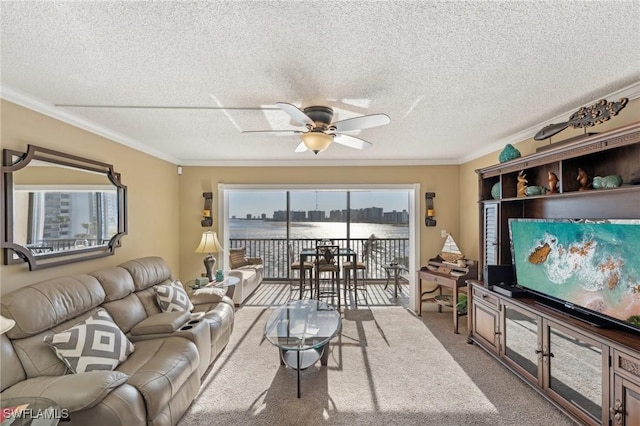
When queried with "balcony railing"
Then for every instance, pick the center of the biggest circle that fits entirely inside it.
(274, 253)
(64, 244)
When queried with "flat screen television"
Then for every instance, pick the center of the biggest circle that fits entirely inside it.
(586, 267)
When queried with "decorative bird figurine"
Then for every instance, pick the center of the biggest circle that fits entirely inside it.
(583, 179)
(522, 184)
(553, 183)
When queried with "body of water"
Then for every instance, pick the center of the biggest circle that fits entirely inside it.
(239, 229)
(267, 240)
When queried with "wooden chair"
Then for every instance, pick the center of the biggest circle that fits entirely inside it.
(326, 262)
(349, 268)
(296, 285)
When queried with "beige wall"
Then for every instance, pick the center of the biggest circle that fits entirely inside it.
(165, 209)
(443, 180)
(469, 211)
(152, 192)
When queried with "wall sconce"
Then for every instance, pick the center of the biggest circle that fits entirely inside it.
(429, 218)
(207, 219)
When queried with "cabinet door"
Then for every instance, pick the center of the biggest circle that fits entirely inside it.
(625, 410)
(490, 233)
(486, 326)
(521, 342)
(625, 406)
(573, 368)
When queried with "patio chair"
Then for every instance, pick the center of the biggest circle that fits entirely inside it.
(296, 286)
(354, 286)
(326, 262)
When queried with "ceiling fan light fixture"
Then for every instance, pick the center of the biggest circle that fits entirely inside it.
(316, 141)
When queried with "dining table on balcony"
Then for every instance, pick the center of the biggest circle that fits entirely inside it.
(349, 254)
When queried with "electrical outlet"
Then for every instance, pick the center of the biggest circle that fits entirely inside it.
(443, 233)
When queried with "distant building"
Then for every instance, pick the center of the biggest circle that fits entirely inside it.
(316, 215)
(396, 217)
(336, 216)
(368, 214)
(373, 214)
(298, 216)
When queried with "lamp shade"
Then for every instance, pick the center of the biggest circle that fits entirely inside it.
(6, 324)
(209, 243)
(316, 141)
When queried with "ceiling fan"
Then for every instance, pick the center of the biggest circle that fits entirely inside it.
(321, 131)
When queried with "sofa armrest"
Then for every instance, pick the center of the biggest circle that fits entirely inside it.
(254, 260)
(207, 295)
(165, 322)
(73, 392)
(207, 298)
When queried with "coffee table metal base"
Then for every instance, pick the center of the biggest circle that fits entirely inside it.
(300, 360)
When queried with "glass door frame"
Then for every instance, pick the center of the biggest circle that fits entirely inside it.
(415, 217)
(537, 345)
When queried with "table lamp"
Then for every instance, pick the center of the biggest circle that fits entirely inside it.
(209, 244)
(6, 324)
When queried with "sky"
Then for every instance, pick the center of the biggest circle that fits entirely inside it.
(255, 203)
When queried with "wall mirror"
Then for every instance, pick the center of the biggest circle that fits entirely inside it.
(59, 208)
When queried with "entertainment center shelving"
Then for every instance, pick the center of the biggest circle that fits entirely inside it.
(591, 373)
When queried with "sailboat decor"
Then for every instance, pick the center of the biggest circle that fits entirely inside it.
(450, 251)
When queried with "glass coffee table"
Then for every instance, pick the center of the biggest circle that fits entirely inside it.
(302, 330)
(31, 411)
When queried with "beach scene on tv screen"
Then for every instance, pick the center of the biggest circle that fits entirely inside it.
(595, 265)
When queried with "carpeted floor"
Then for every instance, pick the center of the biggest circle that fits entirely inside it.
(387, 366)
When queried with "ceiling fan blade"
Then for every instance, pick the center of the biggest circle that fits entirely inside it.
(364, 122)
(301, 147)
(352, 142)
(296, 114)
(166, 107)
(275, 132)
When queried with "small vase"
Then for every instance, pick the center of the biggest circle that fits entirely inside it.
(496, 191)
(508, 153)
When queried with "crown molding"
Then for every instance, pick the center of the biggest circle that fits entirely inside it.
(631, 92)
(50, 110)
(318, 163)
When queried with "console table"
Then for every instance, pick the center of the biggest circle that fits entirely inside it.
(443, 280)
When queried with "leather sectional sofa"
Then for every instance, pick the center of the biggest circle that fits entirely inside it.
(249, 270)
(154, 385)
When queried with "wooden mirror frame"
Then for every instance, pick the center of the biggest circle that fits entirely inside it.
(11, 248)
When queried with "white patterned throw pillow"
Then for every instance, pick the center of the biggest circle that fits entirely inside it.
(95, 344)
(172, 297)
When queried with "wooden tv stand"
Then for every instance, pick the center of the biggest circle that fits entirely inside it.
(591, 373)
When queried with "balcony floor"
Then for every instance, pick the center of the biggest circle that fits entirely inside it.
(276, 293)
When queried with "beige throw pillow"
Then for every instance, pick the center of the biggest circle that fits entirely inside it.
(237, 257)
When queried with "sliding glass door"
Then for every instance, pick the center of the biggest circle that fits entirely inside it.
(374, 222)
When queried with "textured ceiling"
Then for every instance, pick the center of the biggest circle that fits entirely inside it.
(458, 79)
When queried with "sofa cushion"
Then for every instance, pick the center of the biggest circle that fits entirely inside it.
(72, 391)
(95, 344)
(172, 297)
(159, 368)
(12, 371)
(238, 257)
(41, 306)
(128, 311)
(148, 271)
(117, 282)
